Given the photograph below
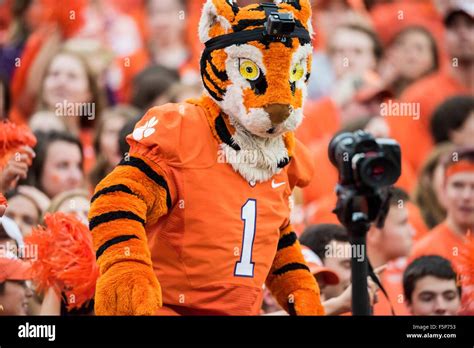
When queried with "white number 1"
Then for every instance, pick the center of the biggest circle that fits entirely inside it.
(244, 267)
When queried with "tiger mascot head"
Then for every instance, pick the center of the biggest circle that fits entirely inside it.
(255, 68)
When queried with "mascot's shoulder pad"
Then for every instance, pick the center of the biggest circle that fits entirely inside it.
(301, 168)
(175, 134)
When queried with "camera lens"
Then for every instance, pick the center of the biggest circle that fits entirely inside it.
(377, 171)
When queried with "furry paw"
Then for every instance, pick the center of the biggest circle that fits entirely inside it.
(128, 288)
(305, 302)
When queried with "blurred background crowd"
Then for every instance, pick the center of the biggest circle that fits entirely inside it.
(80, 74)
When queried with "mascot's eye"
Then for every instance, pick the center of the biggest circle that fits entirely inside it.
(296, 72)
(249, 70)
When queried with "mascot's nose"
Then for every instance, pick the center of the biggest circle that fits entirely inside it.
(278, 112)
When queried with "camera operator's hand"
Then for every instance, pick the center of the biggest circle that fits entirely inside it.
(343, 303)
(16, 168)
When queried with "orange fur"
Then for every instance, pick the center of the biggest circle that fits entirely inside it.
(218, 82)
(219, 57)
(213, 111)
(127, 284)
(298, 287)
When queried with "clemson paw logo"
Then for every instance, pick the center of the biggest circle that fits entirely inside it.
(146, 130)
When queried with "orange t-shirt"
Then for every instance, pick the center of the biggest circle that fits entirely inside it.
(430, 92)
(392, 281)
(440, 241)
(414, 136)
(213, 251)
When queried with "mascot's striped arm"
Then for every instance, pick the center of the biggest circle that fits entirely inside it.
(290, 280)
(133, 195)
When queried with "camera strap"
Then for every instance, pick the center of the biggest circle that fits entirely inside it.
(259, 34)
(377, 281)
(242, 37)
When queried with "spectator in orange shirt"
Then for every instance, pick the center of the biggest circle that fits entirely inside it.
(58, 165)
(449, 239)
(428, 194)
(430, 287)
(390, 245)
(70, 90)
(411, 55)
(454, 79)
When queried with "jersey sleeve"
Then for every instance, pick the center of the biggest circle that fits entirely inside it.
(172, 134)
(301, 169)
(139, 191)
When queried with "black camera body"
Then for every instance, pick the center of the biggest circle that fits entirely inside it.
(365, 163)
(280, 24)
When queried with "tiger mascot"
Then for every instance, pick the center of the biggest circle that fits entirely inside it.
(195, 219)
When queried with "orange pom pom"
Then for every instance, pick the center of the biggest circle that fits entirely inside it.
(69, 16)
(66, 258)
(12, 137)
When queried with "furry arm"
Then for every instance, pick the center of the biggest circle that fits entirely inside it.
(290, 280)
(133, 195)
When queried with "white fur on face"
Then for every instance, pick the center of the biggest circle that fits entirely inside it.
(260, 156)
(255, 120)
(209, 18)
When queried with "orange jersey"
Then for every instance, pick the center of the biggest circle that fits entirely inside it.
(213, 251)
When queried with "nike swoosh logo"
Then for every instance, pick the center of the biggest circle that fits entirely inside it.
(275, 185)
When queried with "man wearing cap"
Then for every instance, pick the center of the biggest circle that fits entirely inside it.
(14, 292)
(449, 239)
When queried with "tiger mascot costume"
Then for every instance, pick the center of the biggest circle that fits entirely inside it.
(195, 219)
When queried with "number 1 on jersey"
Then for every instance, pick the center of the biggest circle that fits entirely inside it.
(244, 267)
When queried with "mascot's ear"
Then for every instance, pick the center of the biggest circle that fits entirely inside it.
(216, 18)
(301, 9)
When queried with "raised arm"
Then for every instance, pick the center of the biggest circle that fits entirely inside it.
(136, 193)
